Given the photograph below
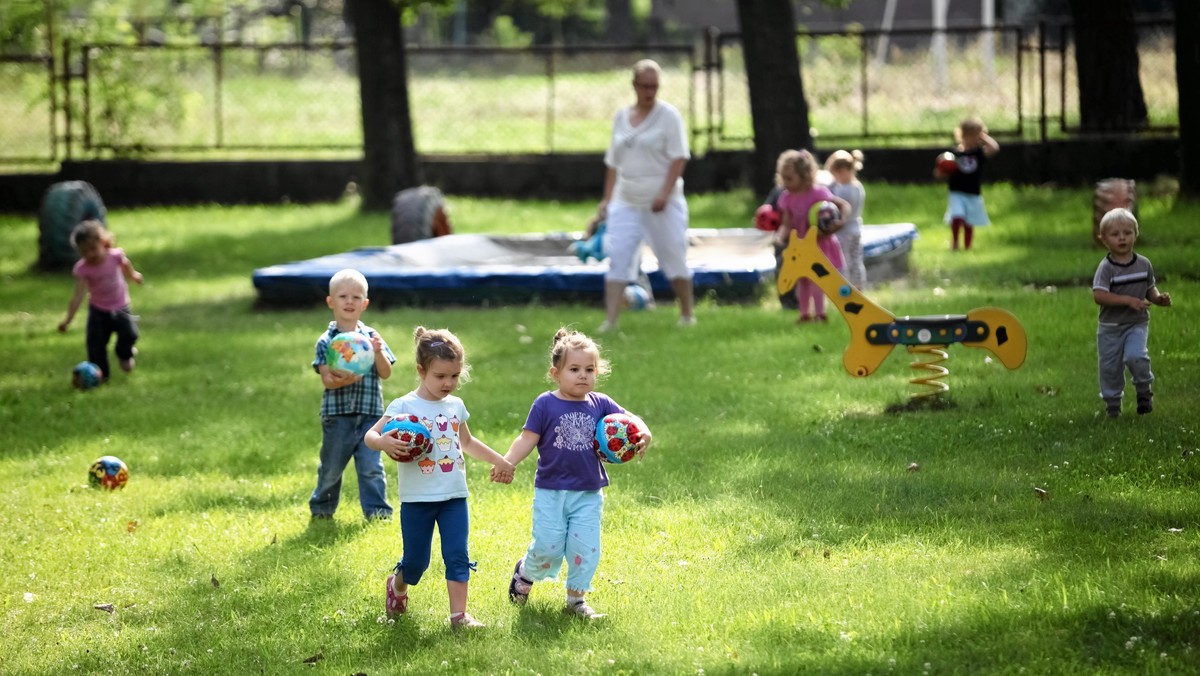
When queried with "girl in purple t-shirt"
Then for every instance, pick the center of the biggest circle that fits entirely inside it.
(796, 173)
(567, 499)
(100, 273)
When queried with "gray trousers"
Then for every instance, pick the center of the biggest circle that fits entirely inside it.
(1121, 346)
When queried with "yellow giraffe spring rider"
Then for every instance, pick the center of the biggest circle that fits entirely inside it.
(874, 331)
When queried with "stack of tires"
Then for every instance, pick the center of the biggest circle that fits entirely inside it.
(419, 213)
(64, 206)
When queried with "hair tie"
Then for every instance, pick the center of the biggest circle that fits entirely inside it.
(436, 343)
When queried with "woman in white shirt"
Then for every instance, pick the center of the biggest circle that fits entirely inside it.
(643, 195)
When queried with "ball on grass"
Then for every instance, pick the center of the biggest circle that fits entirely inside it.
(85, 376)
(108, 472)
(636, 297)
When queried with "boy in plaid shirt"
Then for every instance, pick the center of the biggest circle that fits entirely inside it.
(350, 405)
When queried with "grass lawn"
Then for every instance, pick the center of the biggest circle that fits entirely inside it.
(774, 527)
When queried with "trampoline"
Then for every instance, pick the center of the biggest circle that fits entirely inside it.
(732, 264)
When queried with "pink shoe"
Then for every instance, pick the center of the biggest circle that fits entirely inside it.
(396, 604)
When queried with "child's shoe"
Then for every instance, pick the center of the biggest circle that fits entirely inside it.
(464, 621)
(1114, 410)
(582, 609)
(1145, 403)
(128, 364)
(519, 587)
(804, 319)
(396, 604)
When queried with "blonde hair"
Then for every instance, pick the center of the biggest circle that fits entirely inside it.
(971, 126)
(435, 344)
(1119, 216)
(801, 161)
(347, 276)
(566, 340)
(90, 231)
(646, 66)
(838, 159)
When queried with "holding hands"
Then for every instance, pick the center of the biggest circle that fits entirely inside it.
(503, 472)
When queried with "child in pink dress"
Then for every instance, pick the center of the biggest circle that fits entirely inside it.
(796, 173)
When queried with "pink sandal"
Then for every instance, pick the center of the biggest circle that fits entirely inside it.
(396, 604)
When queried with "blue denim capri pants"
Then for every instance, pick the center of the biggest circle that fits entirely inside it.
(566, 525)
(417, 520)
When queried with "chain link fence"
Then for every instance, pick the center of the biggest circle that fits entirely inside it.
(235, 100)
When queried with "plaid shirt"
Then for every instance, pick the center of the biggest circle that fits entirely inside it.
(364, 397)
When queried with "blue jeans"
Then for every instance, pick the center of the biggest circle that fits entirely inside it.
(342, 439)
(101, 325)
(416, 531)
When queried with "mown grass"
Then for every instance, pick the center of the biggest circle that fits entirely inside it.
(774, 528)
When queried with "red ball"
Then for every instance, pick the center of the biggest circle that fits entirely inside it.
(766, 218)
(946, 163)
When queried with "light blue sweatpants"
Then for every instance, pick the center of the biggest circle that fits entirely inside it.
(566, 525)
(1121, 346)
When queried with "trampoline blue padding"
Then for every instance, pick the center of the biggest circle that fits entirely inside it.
(731, 263)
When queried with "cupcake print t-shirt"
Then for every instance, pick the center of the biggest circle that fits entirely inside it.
(439, 474)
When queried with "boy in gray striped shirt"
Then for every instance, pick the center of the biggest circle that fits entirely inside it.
(1124, 288)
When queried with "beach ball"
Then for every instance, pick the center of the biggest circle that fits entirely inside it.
(823, 214)
(616, 437)
(636, 297)
(409, 429)
(85, 375)
(108, 472)
(766, 218)
(946, 163)
(350, 351)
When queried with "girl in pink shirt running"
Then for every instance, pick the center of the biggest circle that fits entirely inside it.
(100, 273)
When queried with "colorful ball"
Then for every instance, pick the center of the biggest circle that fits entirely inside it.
(86, 375)
(946, 163)
(636, 297)
(351, 351)
(767, 218)
(617, 435)
(409, 429)
(109, 473)
(823, 215)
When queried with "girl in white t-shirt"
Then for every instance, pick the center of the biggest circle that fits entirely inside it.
(433, 487)
(643, 195)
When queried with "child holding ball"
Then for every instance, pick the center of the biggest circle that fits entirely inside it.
(1124, 287)
(350, 404)
(100, 274)
(843, 167)
(965, 211)
(567, 498)
(796, 172)
(433, 490)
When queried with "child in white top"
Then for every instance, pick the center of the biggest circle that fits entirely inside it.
(433, 489)
(843, 167)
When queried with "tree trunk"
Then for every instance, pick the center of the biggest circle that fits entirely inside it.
(389, 154)
(1187, 77)
(1106, 61)
(777, 104)
(618, 23)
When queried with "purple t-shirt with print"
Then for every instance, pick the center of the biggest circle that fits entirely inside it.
(567, 429)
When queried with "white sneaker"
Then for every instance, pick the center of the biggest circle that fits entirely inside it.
(605, 327)
(687, 321)
(583, 610)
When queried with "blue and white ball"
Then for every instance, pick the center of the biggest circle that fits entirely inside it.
(86, 375)
(637, 297)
